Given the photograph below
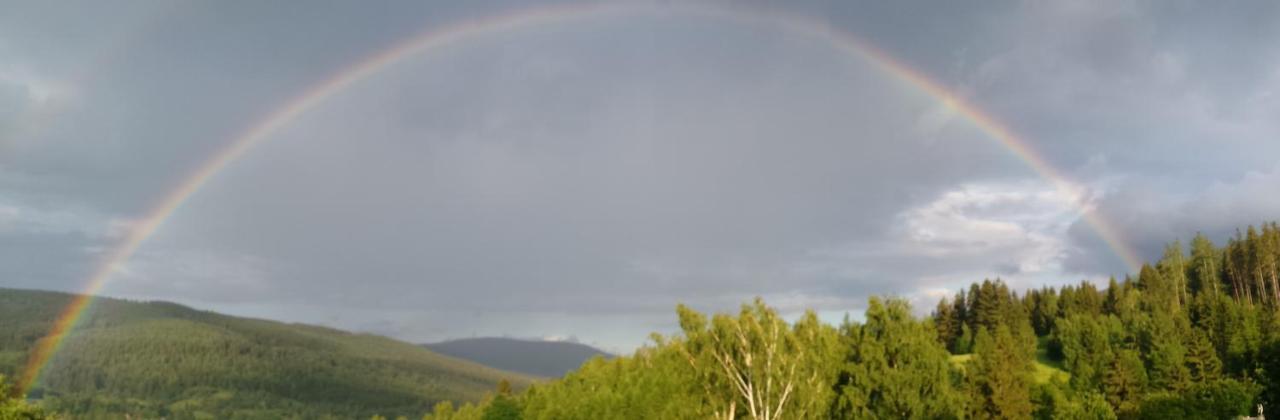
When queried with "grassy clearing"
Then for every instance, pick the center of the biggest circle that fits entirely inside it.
(1046, 368)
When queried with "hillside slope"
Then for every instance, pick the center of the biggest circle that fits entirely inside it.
(157, 359)
(539, 358)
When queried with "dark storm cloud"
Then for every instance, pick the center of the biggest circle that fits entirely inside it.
(1153, 219)
(582, 179)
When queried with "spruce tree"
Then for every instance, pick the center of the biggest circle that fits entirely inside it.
(1166, 355)
(1125, 381)
(1202, 360)
(946, 324)
(1173, 268)
(1000, 375)
(1085, 343)
(1205, 269)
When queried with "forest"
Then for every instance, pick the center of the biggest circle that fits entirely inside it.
(163, 360)
(1194, 335)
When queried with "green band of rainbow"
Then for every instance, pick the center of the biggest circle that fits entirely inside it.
(452, 34)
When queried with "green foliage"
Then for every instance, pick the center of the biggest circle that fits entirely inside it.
(753, 365)
(1187, 338)
(1270, 377)
(964, 343)
(1191, 336)
(446, 411)
(1162, 328)
(502, 407)
(1000, 375)
(1044, 310)
(895, 368)
(757, 365)
(163, 360)
(1166, 358)
(1202, 360)
(1125, 381)
(14, 408)
(1055, 400)
(1085, 343)
(1224, 400)
(655, 382)
(947, 323)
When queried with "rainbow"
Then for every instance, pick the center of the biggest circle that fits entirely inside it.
(436, 38)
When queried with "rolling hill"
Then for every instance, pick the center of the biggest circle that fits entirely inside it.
(538, 358)
(159, 359)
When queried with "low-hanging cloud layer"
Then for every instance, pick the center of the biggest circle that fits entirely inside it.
(581, 179)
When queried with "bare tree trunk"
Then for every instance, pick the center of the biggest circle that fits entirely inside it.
(1232, 274)
(1275, 290)
(1182, 280)
(1262, 285)
(1214, 277)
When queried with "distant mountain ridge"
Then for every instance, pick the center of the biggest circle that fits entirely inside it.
(165, 360)
(534, 357)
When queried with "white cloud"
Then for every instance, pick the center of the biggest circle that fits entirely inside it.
(975, 219)
(1016, 230)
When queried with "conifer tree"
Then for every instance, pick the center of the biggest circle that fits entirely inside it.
(1111, 302)
(1125, 381)
(1205, 275)
(1244, 337)
(946, 324)
(1202, 360)
(1255, 259)
(1085, 343)
(1173, 268)
(1165, 353)
(1044, 309)
(999, 377)
(964, 343)
(1157, 290)
(1269, 260)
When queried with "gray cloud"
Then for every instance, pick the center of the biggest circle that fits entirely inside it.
(582, 179)
(1139, 86)
(1152, 219)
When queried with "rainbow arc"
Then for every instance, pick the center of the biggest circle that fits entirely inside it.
(440, 37)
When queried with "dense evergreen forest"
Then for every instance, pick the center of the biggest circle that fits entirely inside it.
(1195, 335)
(162, 360)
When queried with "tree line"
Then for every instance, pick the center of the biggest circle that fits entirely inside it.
(1194, 335)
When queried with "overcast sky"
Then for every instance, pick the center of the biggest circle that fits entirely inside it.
(580, 179)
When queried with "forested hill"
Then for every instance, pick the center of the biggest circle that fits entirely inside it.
(539, 358)
(158, 359)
